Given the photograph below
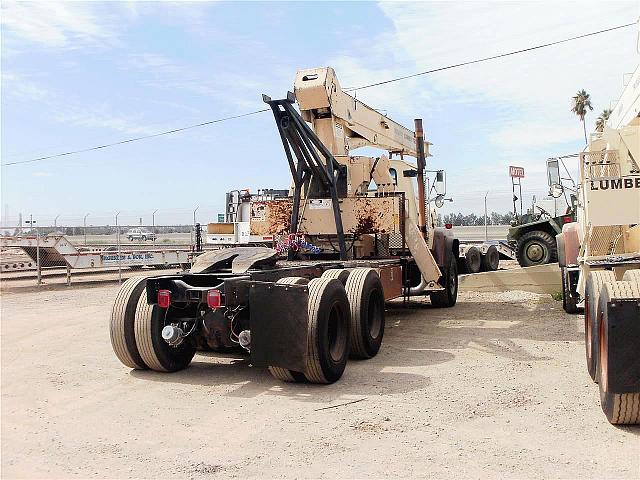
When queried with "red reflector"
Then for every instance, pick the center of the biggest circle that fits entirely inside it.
(567, 219)
(267, 238)
(164, 298)
(214, 298)
(448, 225)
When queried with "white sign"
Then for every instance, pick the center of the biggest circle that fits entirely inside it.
(516, 172)
(320, 204)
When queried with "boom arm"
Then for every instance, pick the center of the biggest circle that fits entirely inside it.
(342, 122)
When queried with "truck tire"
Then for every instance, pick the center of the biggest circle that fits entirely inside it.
(491, 259)
(472, 260)
(341, 274)
(536, 248)
(293, 281)
(122, 324)
(592, 289)
(569, 302)
(447, 298)
(619, 408)
(632, 276)
(328, 333)
(366, 302)
(284, 374)
(156, 353)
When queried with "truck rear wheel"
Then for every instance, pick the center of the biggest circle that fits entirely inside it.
(328, 333)
(491, 259)
(619, 408)
(122, 324)
(447, 298)
(156, 353)
(593, 287)
(536, 248)
(366, 302)
(341, 274)
(472, 260)
(284, 374)
(632, 276)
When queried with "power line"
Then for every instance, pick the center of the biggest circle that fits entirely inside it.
(397, 79)
(486, 59)
(136, 139)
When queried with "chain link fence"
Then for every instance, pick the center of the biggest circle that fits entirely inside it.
(45, 255)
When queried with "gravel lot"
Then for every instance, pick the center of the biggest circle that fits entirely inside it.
(496, 387)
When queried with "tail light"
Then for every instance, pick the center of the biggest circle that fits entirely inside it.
(214, 298)
(164, 298)
(567, 219)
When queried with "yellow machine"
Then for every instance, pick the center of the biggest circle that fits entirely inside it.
(599, 255)
(371, 200)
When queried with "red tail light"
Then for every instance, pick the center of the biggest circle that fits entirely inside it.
(214, 298)
(567, 219)
(164, 298)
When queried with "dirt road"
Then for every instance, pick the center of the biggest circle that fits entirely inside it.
(494, 388)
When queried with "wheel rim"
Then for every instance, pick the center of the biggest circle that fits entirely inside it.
(336, 338)
(535, 252)
(374, 314)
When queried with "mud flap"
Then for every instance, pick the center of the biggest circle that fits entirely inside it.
(624, 337)
(279, 325)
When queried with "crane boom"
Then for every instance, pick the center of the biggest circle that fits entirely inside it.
(343, 122)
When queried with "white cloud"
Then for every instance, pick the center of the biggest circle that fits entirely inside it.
(519, 106)
(54, 23)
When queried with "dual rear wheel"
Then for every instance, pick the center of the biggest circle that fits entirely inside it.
(136, 332)
(346, 318)
(602, 289)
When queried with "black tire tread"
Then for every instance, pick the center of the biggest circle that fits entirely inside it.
(490, 260)
(547, 238)
(341, 274)
(354, 287)
(620, 408)
(144, 340)
(122, 321)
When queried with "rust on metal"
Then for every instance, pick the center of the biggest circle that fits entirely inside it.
(271, 217)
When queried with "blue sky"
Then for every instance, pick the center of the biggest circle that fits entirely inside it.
(78, 74)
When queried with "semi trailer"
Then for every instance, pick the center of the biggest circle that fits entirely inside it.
(351, 234)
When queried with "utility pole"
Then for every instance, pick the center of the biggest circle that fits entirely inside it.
(84, 221)
(486, 236)
(55, 222)
(31, 221)
(118, 242)
(153, 225)
(194, 224)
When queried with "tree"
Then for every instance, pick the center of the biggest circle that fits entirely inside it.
(602, 119)
(582, 102)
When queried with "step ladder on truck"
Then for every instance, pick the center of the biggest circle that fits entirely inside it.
(303, 309)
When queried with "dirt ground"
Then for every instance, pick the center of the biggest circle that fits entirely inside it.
(495, 387)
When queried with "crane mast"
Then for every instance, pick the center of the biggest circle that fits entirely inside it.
(343, 122)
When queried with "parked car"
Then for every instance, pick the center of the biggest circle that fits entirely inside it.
(140, 234)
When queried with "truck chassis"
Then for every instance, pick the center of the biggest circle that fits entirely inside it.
(302, 319)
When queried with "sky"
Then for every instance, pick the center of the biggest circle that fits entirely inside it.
(76, 75)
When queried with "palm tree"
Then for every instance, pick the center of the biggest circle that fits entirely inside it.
(602, 119)
(582, 102)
